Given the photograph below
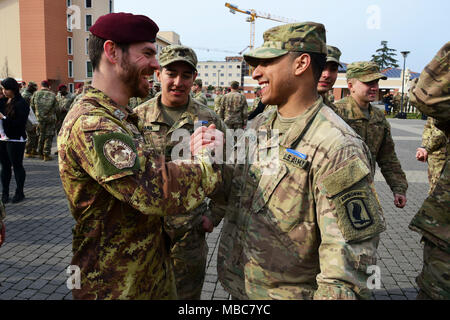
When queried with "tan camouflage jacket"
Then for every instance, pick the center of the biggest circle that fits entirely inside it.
(434, 140)
(431, 95)
(158, 134)
(200, 97)
(27, 96)
(135, 101)
(309, 228)
(376, 133)
(117, 193)
(45, 105)
(218, 103)
(64, 102)
(234, 109)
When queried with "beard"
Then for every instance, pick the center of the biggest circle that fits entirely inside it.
(131, 77)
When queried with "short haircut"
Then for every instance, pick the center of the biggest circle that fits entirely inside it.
(95, 45)
(318, 62)
(235, 85)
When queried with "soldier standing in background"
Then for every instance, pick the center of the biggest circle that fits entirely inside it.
(32, 132)
(329, 75)
(371, 124)
(234, 109)
(65, 100)
(46, 105)
(160, 118)
(218, 99)
(118, 191)
(294, 227)
(198, 93)
(433, 151)
(430, 94)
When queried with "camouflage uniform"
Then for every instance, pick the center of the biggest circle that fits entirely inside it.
(310, 228)
(200, 97)
(234, 110)
(435, 142)
(375, 130)
(135, 101)
(431, 96)
(189, 248)
(218, 102)
(118, 193)
(45, 105)
(64, 103)
(32, 135)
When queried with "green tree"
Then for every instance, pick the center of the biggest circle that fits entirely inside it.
(385, 57)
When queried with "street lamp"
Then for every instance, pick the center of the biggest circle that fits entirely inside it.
(404, 54)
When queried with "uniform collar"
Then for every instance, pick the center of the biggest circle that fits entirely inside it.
(355, 111)
(187, 117)
(121, 113)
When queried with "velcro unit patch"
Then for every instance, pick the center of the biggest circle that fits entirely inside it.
(345, 177)
(117, 153)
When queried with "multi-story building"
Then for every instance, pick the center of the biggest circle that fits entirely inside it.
(220, 73)
(48, 39)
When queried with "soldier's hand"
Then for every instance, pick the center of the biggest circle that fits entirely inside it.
(2, 233)
(1, 116)
(399, 200)
(422, 155)
(206, 138)
(207, 224)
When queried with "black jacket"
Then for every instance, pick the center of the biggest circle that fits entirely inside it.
(14, 125)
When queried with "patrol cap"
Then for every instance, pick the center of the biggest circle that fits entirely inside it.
(364, 71)
(125, 28)
(175, 53)
(293, 37)
(333, 55)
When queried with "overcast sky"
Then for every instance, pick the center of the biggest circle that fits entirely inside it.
(356, 27)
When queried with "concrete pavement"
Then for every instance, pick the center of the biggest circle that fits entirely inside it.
(37, 252)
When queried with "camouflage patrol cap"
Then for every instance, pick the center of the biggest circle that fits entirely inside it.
(32, 84)
(293, 37)
(333, 55)
(175, 53)
(364, 71)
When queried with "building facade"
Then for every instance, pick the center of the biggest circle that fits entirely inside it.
(220, 73)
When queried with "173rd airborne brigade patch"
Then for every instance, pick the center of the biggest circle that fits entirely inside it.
(117, 154)
(358, 211)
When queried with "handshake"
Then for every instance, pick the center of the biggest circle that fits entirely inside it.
(207, 139)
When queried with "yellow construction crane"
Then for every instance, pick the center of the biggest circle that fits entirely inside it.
(253, 14)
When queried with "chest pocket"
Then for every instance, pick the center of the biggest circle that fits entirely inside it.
(375, 136)
(267, 184)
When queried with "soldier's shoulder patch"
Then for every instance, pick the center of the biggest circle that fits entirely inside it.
(117, 153)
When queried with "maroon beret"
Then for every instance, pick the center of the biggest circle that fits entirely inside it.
(125, 28)
(62, 86)
(78, 85)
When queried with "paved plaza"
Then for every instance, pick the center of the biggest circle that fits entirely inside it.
(37, 251)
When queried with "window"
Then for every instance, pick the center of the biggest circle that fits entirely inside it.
(221, 83)
(111, 8)
(88, 3)
(206, 67)
(88, 21)
(88, 69)
(214, 74)
(230, 66)
(238, 74)
(214, 67)
(70, 71)
(238, 67)
(69, 3)
(230, 74)
(71, 87)
(222, 66)
(206, 74)
(69, 23)
(222, 75)
(69, 46)
(87, 46)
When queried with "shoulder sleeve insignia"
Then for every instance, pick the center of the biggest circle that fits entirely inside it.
(117, 154)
